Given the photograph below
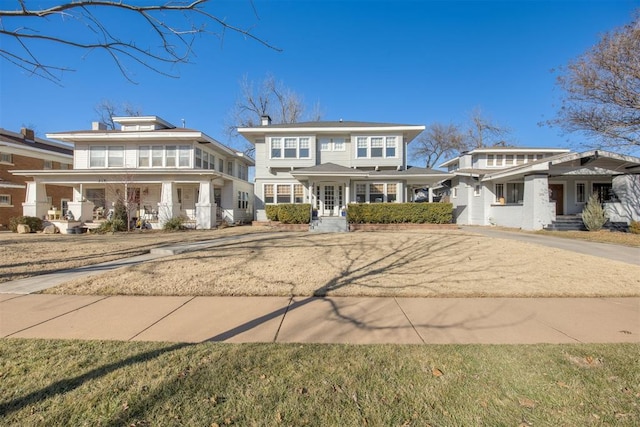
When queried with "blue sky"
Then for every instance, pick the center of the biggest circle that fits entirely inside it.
(414, 62)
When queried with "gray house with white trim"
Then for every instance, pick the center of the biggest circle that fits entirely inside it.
(530, 188)
(330, 164)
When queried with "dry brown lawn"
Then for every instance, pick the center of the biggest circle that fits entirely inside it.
(426, 263)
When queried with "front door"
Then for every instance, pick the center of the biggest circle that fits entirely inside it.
(329, 199)
(556, 194)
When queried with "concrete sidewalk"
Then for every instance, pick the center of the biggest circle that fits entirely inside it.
(322, 320)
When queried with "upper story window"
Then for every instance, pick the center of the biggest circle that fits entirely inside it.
(5, 199)
(290, 148)
(332, 144)
(48, 164)
(230, 168)
(6, 158)
(170, 156)
(376, 147)
(100, 156)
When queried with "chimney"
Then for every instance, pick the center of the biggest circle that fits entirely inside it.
(98, 126)
(265, 121)
(28, 134)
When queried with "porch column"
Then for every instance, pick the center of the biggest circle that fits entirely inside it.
(536, 209)
(206, 207)
(347, 194)
(81, 209)
(35, 203)
(168, 207)
(430, 194)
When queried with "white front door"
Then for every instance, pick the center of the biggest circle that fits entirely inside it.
(330, 199)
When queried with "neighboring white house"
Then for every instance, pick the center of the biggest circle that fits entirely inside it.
(332, 164)
(529, 188)
(160, 171)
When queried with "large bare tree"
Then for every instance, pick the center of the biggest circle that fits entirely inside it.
(437, 142)
(108, 109)
(483, 132)
(602, 90)
(90, 25)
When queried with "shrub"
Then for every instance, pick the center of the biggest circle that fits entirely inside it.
(593, 215)
(634, 227)
(289, 213)
(272, 212)
(174, 224)
(112, 226)
(34, 223)
(398, 213)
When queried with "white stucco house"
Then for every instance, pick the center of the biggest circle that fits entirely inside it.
(164, 171)
(531, 188)
(330, 164)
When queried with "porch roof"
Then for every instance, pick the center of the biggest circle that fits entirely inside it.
(86, 176)
(413, 175)
(593, 162)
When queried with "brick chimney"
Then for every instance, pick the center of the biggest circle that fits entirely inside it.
(28, 134)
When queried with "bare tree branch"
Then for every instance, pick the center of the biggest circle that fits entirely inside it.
(602, 90)
(436, 142)
(174, 42)
(482, 132)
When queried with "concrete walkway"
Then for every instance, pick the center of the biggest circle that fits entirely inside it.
(322, 320)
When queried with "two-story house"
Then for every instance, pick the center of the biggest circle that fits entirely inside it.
(530, 188)
(331, 164)
(26, 151)
(158, 170)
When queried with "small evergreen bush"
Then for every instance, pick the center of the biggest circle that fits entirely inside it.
(272, 212)
(593, 215)
(34, 223)
(634, 227)
(174, 224)
(112, 226)
(289, 213)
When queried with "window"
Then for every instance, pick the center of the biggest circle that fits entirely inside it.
(205, 160)
(304, 148)
(531, 158)
(605, 192)
(268, 193)
(520, 159)
(184, 156)
(199, 158)
(298, 193)
(581, 192)
(5, 199)
(6, 158)
(338, 144)
(392, 190)
(143, 157)
(363, 147)
(115, 157)
(361, 193)
(212, 161)
(221, 165)
(509, 159)
(454, 192)
(156, 156)
(230, 168)
(391, 146)
(515, 192)
(64, 166)
(377, 145)
(97, 156)
(476, 190)
(96, 196)
(376, 193)
(243, 200)
(499, 191)
(325, 144)
(498, 161)
(490, 159)
(276, 148)
(170, 158)
(48, 164)
(290, 148)
(283, 193)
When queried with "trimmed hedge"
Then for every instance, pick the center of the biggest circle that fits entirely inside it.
(399, 213)
(289, 213)
(34, 223)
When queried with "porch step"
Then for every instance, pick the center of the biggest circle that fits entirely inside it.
(329, 224)
(574, 223)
